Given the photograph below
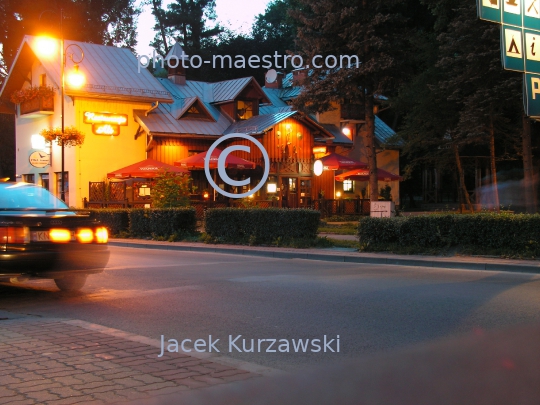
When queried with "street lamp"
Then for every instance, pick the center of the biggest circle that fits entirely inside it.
(75, 79)
(47, 47)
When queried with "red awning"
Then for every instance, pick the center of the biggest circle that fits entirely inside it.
(333, 161)
(148, 168)
(363, 175)
(197, 161)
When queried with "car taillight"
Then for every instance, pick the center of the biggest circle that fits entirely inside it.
(60, 235)
(102, 235)
(85, 235)
(13, 234)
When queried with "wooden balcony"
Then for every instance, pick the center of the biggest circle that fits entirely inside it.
(37, 107)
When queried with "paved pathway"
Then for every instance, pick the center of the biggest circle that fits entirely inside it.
(61, 362)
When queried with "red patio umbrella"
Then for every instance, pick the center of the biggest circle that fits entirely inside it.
(197, 161)
(333, 161)
(363, 175)
(148, 168)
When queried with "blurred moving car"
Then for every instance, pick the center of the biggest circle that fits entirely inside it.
(41, 237)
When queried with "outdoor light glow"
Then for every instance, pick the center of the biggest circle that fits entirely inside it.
(347, 132)
(271, 187)
(38, 142)
(206, 195)
(318, 167)
(46, 46)
(338, 194)
(75, 78)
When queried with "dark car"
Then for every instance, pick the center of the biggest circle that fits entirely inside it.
(42, 237)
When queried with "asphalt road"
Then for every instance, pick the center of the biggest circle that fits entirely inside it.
(373, 308)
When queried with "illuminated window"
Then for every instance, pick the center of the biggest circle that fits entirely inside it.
(348, 186)
(43, 80)
(244, 109)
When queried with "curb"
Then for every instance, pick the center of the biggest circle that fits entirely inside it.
(357, 258)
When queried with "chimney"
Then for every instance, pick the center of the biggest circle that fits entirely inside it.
(299, 75)
(273, 79)
(174, 59)
(177, 75)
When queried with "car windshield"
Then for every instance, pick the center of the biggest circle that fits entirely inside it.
(27, 196)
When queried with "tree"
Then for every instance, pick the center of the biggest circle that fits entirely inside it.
(375, 31)
(171, 190)
(185, 21)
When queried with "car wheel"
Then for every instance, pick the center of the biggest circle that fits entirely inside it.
(73, 282)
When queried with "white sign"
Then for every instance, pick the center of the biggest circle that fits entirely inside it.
(532, 42)
(532, 8)
(512, 6)
(383, 209)
(491, 3)
(513, 43)
(40, 159)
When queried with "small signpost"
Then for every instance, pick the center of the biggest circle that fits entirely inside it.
(520, 43)
(383, 209)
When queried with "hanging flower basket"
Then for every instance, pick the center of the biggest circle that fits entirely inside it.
(71, 136)
(30, 93)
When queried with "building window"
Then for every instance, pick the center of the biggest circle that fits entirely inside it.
(348, 186)
(28, 178)
(43, 80)
(59, 186)
(244, 109)
(44, 180)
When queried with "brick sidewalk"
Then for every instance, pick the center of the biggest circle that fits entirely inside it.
(57, 362)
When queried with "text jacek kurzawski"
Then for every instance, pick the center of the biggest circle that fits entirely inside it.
(239, 344)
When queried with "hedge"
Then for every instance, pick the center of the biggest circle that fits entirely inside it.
(261, 225)
(509, 232)
(115, 220)
(161, 221)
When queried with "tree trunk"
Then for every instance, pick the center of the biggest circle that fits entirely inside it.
(528, 169)
(493, 166)
(159, 17)
(369, 129)
(462, 179)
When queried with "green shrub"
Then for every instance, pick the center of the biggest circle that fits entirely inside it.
(503, 233)
(162, 222)
(256, 225)
(116, 220)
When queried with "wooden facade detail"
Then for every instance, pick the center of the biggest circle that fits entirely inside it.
(170, 150)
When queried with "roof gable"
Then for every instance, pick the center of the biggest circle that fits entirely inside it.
(229, 90)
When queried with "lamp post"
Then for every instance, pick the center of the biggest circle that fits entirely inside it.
(75, 79)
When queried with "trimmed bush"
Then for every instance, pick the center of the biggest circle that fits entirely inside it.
(256, 225)
(162, 222)
(514, 233)
(115, 220)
